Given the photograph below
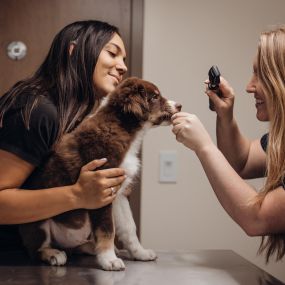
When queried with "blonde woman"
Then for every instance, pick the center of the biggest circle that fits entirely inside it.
(238, 158)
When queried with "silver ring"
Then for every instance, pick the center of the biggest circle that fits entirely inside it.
(113, 191)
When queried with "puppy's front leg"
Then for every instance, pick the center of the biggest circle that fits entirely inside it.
(104, 235)
(126, 229)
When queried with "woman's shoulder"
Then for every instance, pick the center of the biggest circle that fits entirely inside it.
(43, 116)
(39, 109)
(44, 110)
(34, 142)
(39, 106)
(44, 120)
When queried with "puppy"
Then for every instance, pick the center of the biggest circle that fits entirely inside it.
(115, 132)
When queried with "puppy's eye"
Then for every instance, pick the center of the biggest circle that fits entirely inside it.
(154, 96)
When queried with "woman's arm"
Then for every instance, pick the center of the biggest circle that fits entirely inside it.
(245, 156)
(237, 197)
(234, 194)
(92, 190)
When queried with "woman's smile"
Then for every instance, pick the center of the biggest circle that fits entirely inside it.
(259, 102)
(116, 78)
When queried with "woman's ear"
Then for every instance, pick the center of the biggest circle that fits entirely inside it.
(71, 47)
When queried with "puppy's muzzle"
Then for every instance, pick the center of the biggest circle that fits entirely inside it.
(178, 107)
(174, 106)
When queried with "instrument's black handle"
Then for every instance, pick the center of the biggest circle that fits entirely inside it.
(214, 78)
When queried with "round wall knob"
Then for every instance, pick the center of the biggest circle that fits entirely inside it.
(16, 50)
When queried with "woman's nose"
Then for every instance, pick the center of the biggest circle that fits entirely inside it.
(250, 87)
(121, 66)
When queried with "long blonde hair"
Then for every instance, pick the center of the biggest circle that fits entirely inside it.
(271, 73)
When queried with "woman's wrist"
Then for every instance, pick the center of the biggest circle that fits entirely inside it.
(75, 196)
(225, 123)
(204, 149)
(225, 120)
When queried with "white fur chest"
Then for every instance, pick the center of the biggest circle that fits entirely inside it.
(131, 165)
(131, 162)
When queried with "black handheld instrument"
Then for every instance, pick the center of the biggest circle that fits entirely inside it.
(214, 78)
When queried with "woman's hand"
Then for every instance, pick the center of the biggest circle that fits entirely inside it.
(224, 105)
(96, 189)
(190, 131)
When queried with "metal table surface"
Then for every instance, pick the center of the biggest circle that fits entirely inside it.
(221, 267)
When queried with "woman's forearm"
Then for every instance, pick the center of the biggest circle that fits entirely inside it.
(234, 194)
(23, 206)
(232, 143)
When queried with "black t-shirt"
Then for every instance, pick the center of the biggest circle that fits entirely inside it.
(264, 143)
(31, 145)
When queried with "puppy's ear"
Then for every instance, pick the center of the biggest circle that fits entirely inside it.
(137, 105)
(131, 98)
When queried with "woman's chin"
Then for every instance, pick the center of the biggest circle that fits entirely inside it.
(262, 113)
(108, 89)
(263, 117)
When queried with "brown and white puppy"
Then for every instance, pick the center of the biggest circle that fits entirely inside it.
(115, 132)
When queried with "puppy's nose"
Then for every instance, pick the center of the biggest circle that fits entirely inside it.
(178, 106)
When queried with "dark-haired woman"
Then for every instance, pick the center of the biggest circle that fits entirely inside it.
(85, 62)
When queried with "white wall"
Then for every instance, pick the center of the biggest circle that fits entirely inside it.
(182, 39)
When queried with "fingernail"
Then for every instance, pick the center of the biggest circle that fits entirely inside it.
(104, 158)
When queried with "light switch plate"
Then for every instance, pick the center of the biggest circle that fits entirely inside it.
(168, 166)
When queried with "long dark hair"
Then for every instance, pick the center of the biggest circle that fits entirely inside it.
(65, 78)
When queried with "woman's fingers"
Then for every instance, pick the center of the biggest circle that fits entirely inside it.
(109, 180)
(214, 97)
(110, 177)
(108, 199)
(112, 184)
(112, 191)
(179, 121)
(179, 115)
(108, 173)
(113, 172)
(92, 165)
(115, 181)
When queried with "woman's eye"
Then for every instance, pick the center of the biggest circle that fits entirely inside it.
(112, 53)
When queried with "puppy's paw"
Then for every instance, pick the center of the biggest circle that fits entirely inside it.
(115, 264)
(53, 256)
(144, 254)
